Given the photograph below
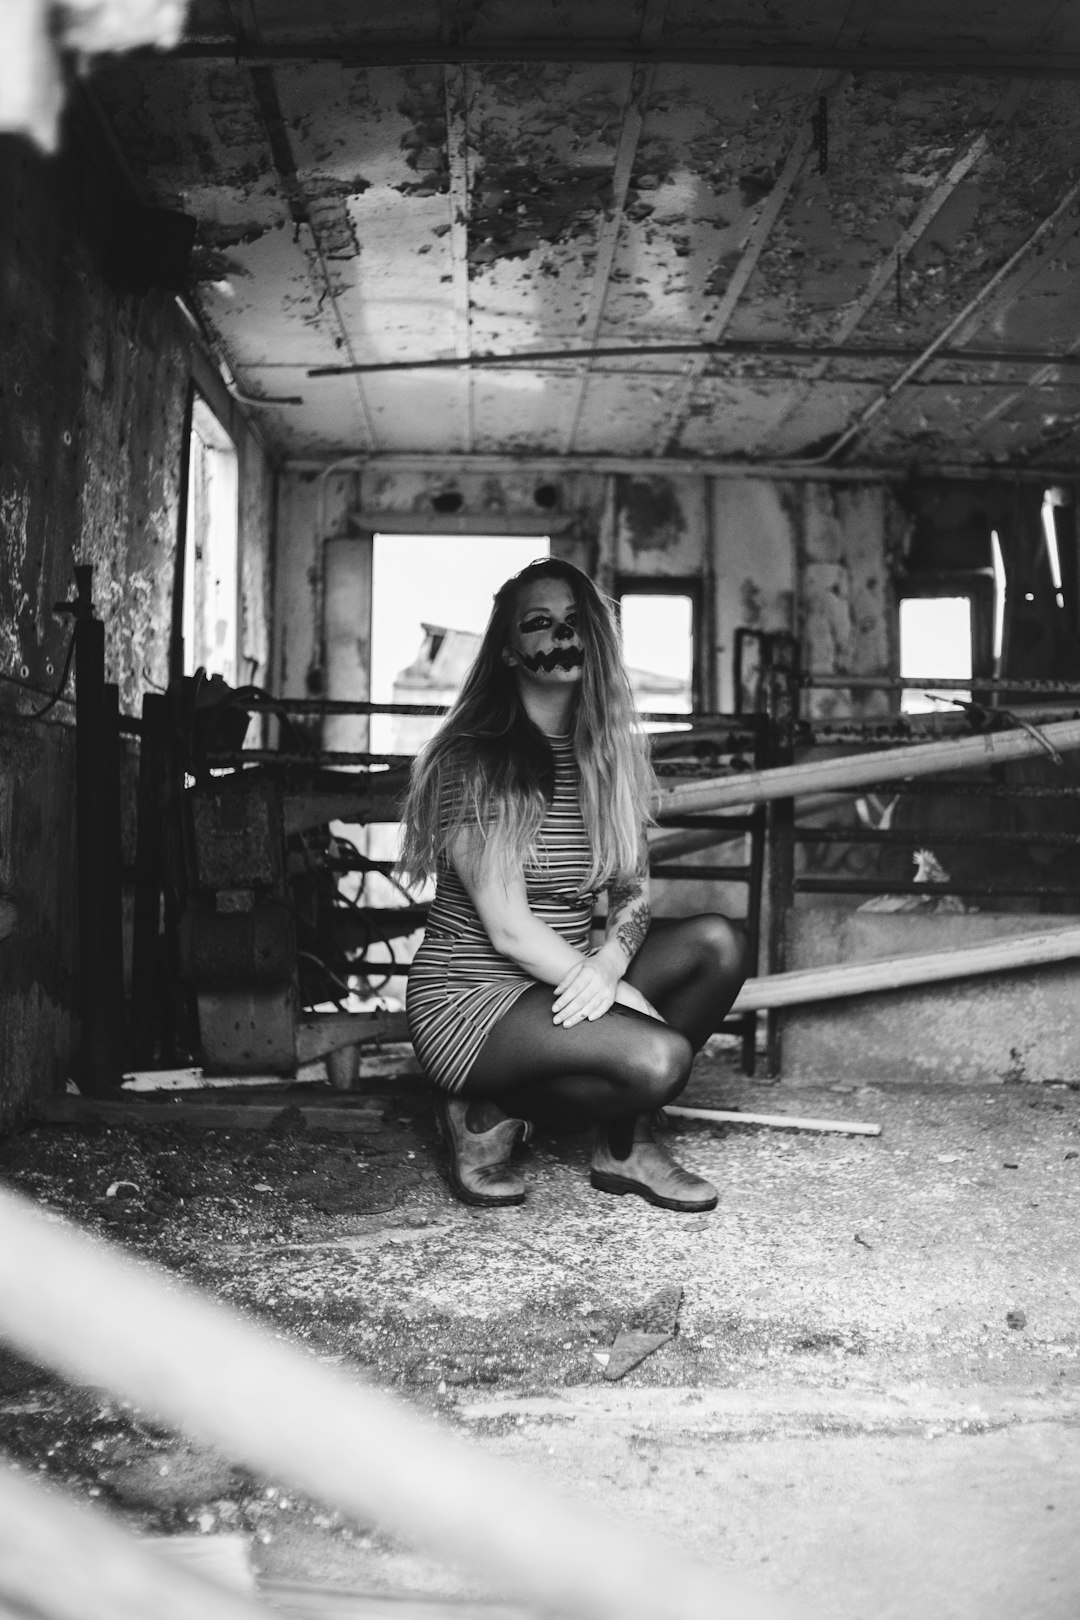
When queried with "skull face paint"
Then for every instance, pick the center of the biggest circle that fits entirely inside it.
(544, 642)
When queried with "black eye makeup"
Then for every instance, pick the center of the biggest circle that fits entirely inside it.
(534, 622)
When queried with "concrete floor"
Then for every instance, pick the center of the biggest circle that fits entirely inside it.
(872, 1401)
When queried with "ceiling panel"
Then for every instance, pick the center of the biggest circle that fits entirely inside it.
(345, 219)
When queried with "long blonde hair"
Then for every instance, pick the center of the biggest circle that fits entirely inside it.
(490, 768)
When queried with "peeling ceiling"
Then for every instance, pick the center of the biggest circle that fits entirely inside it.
(841, 234)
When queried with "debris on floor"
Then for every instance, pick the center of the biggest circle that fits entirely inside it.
(632, 1345)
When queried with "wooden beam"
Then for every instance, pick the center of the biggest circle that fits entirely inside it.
(679, 398)
(863, 770)
(455, 88)
(809, 986)
(781, 1122)
(320, 1033)
(277, 131)
(207, 1116)
(710, 466)
(801, 56)
(63, 1560)
(640, 89)
(967, 321)
(884, 275)
(109, 1321)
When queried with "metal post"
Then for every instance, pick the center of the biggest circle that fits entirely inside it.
(781, 696)
(146, 927)
(97, 796)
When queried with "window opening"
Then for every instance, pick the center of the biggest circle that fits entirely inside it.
(431, 598)
(211, 559)
(935, 639)
(658, 646)
(999, 596)
(430, 601)
(1052, 553)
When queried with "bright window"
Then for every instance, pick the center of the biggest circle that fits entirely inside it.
(935, 640)
(211, 570)
(431, 598)
(658, 646)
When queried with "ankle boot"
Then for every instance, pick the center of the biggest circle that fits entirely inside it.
(480, 1168)
(650, 1171)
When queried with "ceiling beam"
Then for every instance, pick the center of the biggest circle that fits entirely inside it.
(802, 56)
(886, 273)
(640, 89)
(457, 134)
(678, 402)
(1043, 377)
(550, 465)
(277, 134)
(962, 325)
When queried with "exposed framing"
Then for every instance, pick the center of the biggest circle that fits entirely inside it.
(641, 80)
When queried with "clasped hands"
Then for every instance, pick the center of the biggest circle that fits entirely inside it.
(593, 986)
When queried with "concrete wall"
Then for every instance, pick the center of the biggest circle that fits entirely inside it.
(1005, 1027)
(93, 389)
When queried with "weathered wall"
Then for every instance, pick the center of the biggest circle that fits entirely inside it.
(93, 383)
(803, 557)
(813, 558)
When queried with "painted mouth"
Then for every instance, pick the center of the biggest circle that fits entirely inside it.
(559, 658)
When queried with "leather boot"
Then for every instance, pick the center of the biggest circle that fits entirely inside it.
(480, 1168)
(650, 1171)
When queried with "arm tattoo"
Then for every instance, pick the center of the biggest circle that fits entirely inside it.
(631, 933)
(621, 894)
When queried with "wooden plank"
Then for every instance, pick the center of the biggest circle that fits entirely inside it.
(207, 1116)
(783, 1122)
(809, 985)
(61, 1560)
(863, 770)
(303, 1602)
(72, 1302)
(321, 1033)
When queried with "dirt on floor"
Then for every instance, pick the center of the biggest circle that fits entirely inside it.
(939, 1255)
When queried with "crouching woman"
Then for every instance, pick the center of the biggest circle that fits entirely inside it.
(531, 801)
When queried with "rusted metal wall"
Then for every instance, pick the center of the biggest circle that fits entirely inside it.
(93, 387)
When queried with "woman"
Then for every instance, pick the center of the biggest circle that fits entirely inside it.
(530, 800)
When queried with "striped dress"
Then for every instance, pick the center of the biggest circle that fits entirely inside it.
(459, 984)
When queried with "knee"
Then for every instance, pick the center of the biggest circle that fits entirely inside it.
(722, 944)
(662, 1067)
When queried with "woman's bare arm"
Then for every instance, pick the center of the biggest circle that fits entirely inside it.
(513, 928)
(629, 914)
